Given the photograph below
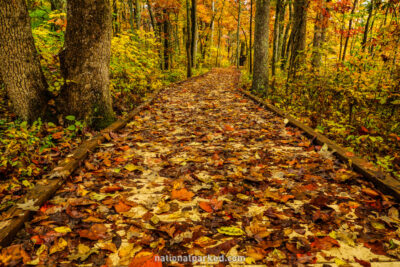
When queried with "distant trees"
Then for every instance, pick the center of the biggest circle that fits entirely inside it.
(19, 62)
(261, 31)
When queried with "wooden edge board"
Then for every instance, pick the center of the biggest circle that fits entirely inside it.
(14, 218)
(383, 181)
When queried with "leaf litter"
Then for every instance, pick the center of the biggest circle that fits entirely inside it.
(205, 171)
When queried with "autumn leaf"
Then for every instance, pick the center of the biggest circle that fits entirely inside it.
(146, 259)
(231, 230)
(205, 206)
(59, 245)
(182, 194)
(121, 207)
(96, 232)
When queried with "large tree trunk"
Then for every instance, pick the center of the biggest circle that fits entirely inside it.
(285, 43)
(85, 62)
(298, 36)
(260, 75)
(195, 34)
(20, 66)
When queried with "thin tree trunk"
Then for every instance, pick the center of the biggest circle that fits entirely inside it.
(285, 44)
(153, 23)
(348, 32)
(138, 14)
(188, 41)
(276, 36)
(166, 39)
(260, 76)
(20, 67)
(238, 37)
(195, 34)
(251, 38)
(365, 36)
(212, 24)
(131, 15)
(85, 63)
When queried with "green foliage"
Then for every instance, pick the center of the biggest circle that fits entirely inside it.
(134, 68)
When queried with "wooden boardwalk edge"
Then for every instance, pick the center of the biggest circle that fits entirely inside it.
(383, 181)
(14, 218)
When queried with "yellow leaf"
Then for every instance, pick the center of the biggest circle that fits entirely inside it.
(131, 167)
(62, 229)
(59, 245)
(230, 230)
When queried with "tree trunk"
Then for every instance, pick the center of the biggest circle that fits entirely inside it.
(131, 15)
(238, 37)
(348, 32)
(260, 76)
(319, 37)
(276, 36)
(153, 22)
(166, 39)
(284, 54)
(56, 5)
(365, 37)
(195, 34)
(251, 39)
(188, 41)
(20, 66)
(138, 14)
(298, 36)
(85, 63)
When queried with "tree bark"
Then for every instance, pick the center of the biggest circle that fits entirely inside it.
(166, 37)
(261, 31)
(85, 63)
(319, 36)
(285, 44)
(20, 66)
(195, 34)
(298, 36)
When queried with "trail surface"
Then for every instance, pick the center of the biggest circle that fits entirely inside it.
(205, 171)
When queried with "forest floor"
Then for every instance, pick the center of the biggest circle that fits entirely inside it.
(205, 171)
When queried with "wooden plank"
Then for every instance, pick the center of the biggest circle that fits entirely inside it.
(14, 218)
(383, 181)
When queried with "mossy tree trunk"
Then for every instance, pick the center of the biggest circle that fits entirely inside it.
(85, 63)
(20, 66)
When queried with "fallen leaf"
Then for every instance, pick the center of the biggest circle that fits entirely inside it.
(182, 194)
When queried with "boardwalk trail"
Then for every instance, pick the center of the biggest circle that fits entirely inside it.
(205, 171)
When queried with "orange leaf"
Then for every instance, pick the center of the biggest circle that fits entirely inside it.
(146, 261)
(227, 127)
(57, 135)
(205, 206)
(285, 198)
(182, 194)
(216, 205)
(111, 189)
(370, 192)
(121, 207)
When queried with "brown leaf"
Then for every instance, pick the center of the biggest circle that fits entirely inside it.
(96, 232)
(370, 192)
(325, 243)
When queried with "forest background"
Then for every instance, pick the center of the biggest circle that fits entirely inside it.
(333, 64)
